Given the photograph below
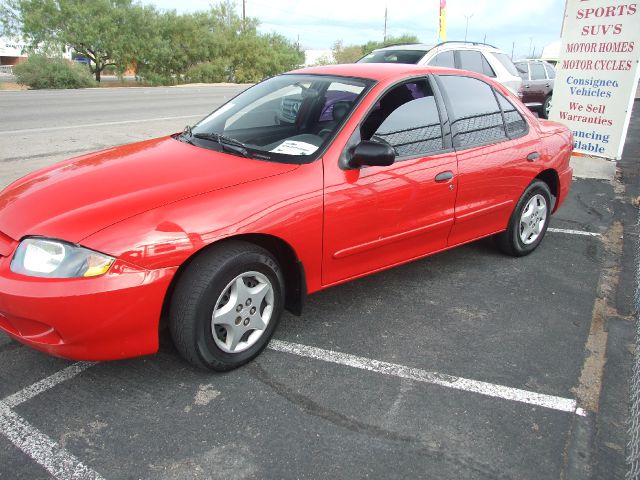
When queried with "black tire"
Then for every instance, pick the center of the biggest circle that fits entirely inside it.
(545, 107)
(197, 293)
(510, 241)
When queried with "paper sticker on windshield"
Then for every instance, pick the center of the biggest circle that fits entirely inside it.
(293, 147)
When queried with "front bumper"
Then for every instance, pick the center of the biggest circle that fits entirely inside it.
(104, 318)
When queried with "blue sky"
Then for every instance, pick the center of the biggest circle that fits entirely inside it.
(320, 23)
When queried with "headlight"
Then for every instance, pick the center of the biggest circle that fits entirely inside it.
(43, 257)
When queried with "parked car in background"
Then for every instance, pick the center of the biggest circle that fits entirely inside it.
(302, 182)
(470, 56)
(537, 85)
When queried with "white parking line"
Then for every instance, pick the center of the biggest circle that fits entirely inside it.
(435, 378)
(102, 124)
(573, 232)
(43, 450)
(47, 453)
(46, 383)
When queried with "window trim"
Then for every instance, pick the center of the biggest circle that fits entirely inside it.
(449, 107)
(354, 139)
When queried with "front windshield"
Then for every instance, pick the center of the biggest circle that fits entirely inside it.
(394, 56)
(289, 118)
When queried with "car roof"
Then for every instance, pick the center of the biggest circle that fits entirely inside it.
(376, 71)
(450, 45)
(408, 46)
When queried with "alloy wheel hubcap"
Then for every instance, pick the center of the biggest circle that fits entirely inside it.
(533, 219)
(242, 312)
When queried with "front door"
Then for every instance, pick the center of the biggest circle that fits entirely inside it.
(376, 217)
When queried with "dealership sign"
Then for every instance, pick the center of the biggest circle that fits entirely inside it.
(597, 74)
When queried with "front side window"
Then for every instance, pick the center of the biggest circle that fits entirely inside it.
(407, 118)
(477, 118)
(288, 118)
(537, 72)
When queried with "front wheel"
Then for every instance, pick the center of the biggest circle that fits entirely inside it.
(546, 107)
(226, 305)
(528, 222)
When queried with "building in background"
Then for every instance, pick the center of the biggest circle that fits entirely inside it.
(11, 51)
(551, 52)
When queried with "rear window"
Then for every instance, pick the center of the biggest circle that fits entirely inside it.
(394, 56)
(504, 59)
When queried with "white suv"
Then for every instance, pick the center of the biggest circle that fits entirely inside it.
(476, 57)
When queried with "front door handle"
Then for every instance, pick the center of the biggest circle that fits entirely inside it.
(444, 176)
(533, 156)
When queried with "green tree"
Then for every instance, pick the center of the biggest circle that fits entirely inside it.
(348, 54)
(371, 45)
(107, 32)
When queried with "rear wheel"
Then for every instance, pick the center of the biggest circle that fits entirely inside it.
(528, 222)
(227, 305)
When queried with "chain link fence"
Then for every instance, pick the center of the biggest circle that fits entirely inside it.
(633, 448)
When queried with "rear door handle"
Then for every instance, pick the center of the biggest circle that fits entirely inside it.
(444, 176)
(533, 156)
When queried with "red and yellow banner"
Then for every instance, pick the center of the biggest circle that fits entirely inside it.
(442, 30)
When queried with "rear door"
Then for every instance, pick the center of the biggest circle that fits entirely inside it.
(539, 84)
(492, 141)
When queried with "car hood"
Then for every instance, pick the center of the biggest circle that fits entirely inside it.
(74, 199)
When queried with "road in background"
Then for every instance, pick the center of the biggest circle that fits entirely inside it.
(38, 128)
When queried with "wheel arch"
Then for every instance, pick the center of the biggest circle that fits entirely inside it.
(292, 269)
(551, 178)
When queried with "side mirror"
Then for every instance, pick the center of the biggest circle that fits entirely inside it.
(373, 154)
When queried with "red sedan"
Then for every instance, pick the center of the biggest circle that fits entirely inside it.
(302, 182)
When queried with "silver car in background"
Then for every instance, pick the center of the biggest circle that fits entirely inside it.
(472, 56)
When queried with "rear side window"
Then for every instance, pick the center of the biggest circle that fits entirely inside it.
(506, 62)
(477, 118)
(537, 72)
(514, 121)
(444, 59)
(470, 60)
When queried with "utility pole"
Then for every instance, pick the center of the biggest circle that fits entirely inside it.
(384, 38)
(513, 47)
(466, 28)
(244, 12)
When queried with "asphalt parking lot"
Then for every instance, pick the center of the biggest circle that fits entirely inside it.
(468, 364)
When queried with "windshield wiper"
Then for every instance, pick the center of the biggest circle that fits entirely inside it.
(227, 143)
